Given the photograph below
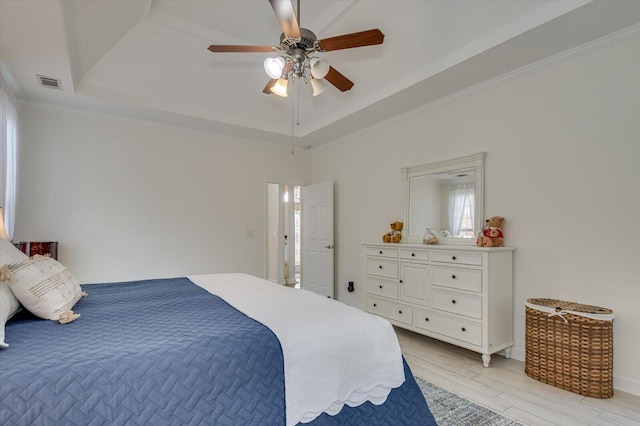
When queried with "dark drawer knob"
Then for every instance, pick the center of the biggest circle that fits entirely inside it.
(374, 305)
(413, 254)
(380, 266)
(453, 257)
(400, 281)
(380, 251)
(453, 276)
(453, 301)
(464, 329)
(399, 312)
(380, 286)
(426, 319)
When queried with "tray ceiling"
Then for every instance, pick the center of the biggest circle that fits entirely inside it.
(149, 58)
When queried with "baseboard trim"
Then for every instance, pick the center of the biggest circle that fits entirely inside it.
(621, 384)
(624, 384)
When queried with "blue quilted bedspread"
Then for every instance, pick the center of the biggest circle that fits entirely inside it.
(161, 352)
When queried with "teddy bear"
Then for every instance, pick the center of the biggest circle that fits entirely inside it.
(491, 235)
(395, 235)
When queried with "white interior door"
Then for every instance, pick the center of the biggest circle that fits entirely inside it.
(317, 238)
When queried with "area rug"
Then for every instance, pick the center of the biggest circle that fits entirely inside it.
(452, 410)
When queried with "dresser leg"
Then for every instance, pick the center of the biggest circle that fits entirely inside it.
(507, 352)
(486, 359)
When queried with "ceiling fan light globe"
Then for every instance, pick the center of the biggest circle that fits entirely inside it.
(318, 86)
(273, 66)
(280, 88)
(319, 67)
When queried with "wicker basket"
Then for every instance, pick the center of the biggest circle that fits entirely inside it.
(570, 346)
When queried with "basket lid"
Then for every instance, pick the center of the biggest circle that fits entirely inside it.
(561, 305)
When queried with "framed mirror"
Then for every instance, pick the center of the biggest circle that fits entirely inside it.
(447, 196)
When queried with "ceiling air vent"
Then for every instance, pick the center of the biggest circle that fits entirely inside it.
(52, 83)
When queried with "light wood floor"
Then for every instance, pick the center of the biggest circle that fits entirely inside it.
(503, 387)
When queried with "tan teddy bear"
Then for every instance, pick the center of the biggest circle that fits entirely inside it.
(395, 235)
(491, 235)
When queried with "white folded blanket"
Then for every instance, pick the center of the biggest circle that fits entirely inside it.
(334, 354)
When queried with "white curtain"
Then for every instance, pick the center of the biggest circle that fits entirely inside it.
(459, 196)
(8, 159)
(472, 205)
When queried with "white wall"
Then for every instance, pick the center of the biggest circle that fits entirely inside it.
(129, 199)
(563, 146)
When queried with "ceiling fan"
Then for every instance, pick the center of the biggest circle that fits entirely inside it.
(297, 49)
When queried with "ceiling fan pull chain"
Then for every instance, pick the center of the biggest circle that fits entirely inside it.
(292, 115)
(298, 106)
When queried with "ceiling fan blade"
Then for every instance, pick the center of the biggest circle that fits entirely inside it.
(347, 41)
(287, 17)
(340, 81)
(270, 84)
(239, 48)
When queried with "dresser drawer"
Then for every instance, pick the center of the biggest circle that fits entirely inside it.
(382, 287)
(414, 254)
(382, 268)
(392, 310)
(382, 251)
(458, 303)
(461, 258)
(463, 279)
(466, 331)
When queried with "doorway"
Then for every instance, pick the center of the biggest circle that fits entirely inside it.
(299, 236)
(283, 233)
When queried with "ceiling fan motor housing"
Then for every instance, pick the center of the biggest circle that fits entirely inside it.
(307, 41)
(299, 50)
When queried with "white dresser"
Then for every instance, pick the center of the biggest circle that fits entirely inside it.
(459, 294)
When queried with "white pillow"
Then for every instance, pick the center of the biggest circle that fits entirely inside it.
(44, 286)
(9, 253)
(9, 305)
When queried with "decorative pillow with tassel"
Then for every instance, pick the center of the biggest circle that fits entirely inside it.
(46, 288)
(9, 305)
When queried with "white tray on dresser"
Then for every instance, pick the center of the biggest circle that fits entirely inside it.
(459, 294)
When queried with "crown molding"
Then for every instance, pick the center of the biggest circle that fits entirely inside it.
(9, 85)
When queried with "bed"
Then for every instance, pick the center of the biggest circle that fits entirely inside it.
(223, 349)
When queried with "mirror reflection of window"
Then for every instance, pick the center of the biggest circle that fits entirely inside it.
(460, 209)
